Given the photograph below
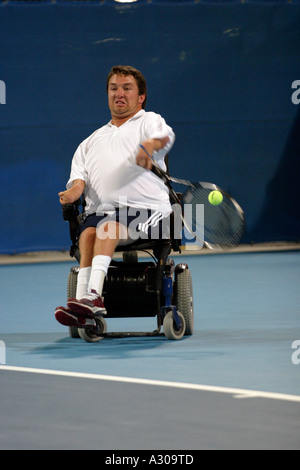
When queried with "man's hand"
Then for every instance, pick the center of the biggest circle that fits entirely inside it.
(65, 197)
(71, 195)
(143, 160)
(151, 145)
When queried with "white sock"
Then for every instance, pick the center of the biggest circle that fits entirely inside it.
(100, 267)
(83, 282)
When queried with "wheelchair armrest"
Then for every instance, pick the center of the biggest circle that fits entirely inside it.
(71, 215)
(70, 211)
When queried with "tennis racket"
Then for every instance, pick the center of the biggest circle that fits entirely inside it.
(221, 226)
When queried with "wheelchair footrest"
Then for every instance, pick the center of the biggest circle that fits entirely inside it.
(132, 334)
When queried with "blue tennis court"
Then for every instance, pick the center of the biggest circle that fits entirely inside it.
(239, 373)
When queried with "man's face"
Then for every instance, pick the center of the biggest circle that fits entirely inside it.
(124, 100)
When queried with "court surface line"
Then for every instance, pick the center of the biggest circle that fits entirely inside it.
(235, 392)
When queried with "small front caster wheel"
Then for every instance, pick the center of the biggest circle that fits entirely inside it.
(94, 334)
(171, 330)
(73, 332)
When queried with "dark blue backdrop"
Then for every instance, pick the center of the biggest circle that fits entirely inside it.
(220, 74)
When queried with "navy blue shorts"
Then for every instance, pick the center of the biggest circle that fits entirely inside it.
(141, 223)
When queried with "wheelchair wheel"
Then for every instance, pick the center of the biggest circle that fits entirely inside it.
(171, 330)
(93, 334)
(72, 287)
(184, 298)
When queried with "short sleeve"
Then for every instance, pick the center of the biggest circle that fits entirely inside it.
(78, 170)
(157, 128)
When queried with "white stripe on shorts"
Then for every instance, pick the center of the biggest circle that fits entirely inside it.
(151, 222)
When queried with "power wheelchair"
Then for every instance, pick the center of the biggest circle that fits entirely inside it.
(149, 288)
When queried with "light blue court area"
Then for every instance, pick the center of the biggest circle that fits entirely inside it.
(247, 317)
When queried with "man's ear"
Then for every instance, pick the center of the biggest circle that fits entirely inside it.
(142, 98)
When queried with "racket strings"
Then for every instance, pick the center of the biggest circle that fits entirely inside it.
(223, 225)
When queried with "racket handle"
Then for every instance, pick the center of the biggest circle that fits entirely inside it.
(159, 173)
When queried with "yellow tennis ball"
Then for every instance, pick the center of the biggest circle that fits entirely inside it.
(215, 198)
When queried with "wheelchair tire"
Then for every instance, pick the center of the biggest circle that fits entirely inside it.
(170, 328)
(72, 287)
(184, 299)
(93, 334)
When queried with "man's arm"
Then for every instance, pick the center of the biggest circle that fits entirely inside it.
(151, 145)
(71, 195)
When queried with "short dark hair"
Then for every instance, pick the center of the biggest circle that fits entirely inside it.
(128, 70)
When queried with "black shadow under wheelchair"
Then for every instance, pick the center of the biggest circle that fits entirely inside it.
(134, 288)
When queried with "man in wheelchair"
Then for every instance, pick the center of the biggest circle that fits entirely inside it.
(124, 200)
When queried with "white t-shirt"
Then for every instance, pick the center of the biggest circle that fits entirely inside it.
(106, 162)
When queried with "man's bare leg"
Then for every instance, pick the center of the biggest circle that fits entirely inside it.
(86, 247)
(106, 241)
(97, 247)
